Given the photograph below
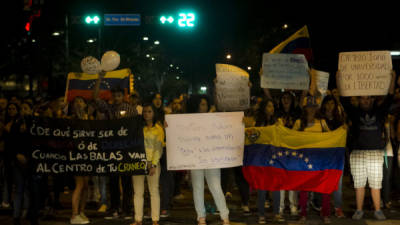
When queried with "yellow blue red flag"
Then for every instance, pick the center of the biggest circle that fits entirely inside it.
(278, 158)
(81, 84)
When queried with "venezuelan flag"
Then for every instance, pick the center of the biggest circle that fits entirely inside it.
(277, 158)
(298, 43)
(81, 84)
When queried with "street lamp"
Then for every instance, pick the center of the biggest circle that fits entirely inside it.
(228, 56)
(90, 40)
(156, 42)
(249, 68)
(147, 55)
(56, 33)
(145, 38)
(177, 77)
(152, 58)
(171, 65)
(33, 40)
(285, 26)
(177, 67)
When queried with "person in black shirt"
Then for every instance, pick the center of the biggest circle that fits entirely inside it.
(368, 143)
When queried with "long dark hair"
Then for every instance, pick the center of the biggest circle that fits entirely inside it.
(304, 115)
(72, 108)
(194, 102)
(154, 113)
(8, 118)
(159, 114)
(261, 117)
(336, 114)
(292, 105)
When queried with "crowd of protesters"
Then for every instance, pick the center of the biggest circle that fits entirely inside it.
(372, 149)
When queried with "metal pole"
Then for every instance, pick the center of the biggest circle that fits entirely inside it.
(99, 42)
(66, 43)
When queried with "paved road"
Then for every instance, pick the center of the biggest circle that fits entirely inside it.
(183, 213)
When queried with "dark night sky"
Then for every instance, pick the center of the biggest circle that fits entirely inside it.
(226, 24)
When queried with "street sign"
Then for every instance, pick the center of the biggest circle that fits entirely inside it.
(121, 19)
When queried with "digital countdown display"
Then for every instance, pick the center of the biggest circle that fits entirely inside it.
(182, 19)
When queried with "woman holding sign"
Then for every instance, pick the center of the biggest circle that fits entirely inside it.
(153, 143)
(80, 194)
(200, 104)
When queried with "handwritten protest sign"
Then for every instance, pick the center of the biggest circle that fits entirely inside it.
(321, 80)
(364, 73)
(204, 140)
(85, 147)
(285, 71)
(232, 88)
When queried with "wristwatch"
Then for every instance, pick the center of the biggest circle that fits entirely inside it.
(153, 166)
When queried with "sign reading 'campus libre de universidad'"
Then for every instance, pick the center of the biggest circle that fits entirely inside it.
(204, 140)
(364, 73)
(285, 71)
(88, 147)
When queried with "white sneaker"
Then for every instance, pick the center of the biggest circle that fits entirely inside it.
(179, 197)
(246, 210)
(5, 205)
(84, 217)
(78, 220)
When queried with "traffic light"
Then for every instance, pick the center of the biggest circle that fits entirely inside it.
(184, 19)
(164, 19)
(92, 19)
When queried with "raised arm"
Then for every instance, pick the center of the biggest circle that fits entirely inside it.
(392, 83)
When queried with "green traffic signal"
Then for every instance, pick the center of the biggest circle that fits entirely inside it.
(164, 19)
(92, 19)
(185, 20)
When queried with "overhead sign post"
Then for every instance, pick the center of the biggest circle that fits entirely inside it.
(122, 20)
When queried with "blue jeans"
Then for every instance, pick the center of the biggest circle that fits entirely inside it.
(337, 195)
(276, 200)
(213, 177)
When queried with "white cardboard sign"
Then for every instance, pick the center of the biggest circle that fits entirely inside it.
(285, 71)
(204, 140)
(364, 73)
(232, 88)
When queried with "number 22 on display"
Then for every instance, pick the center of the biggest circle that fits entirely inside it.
(186, 20)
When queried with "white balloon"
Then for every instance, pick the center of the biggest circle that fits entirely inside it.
(110, 60)
(90, 65)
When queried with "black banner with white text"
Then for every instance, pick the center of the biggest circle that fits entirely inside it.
(88, 147)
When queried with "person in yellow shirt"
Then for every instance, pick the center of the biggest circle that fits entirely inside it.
(153, 143)
(80, 193)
